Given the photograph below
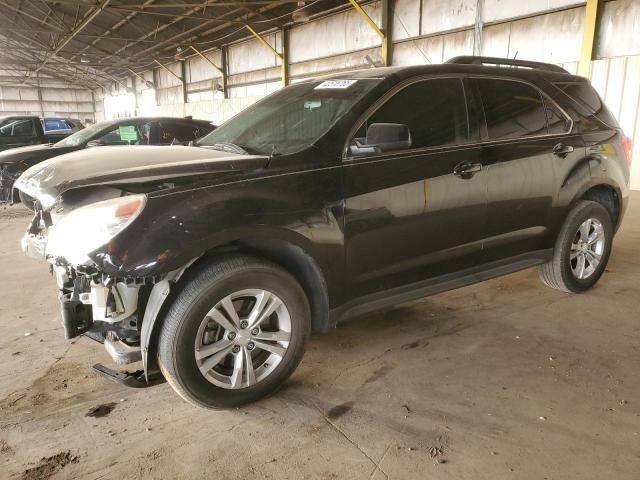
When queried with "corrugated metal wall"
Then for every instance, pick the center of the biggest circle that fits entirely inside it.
(618, 83)
(58, 101)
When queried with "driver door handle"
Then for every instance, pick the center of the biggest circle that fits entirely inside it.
(466, 169)
(561, 150)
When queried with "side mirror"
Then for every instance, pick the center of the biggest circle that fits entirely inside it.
(94, 143)
(382, 137)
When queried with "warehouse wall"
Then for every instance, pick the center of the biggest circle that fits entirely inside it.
(423, 31)
(51, 100)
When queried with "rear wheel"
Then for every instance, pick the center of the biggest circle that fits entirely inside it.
(582, 249)
(235, 333)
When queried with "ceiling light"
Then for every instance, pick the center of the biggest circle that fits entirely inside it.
(301, 14)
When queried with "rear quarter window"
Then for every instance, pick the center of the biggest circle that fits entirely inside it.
(589, 104)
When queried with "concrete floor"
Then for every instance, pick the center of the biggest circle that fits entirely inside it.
(506, 379)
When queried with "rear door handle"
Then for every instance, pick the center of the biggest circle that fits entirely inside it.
(561, 150)
(466, 169)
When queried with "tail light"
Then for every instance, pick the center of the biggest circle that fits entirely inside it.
(627, 146)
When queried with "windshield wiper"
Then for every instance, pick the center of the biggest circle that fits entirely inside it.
(226, 147)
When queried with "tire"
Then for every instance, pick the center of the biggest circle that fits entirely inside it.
(563, 272)
(27, 200)
(203, 294)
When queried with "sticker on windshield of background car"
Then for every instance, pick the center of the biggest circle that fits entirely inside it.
(338, 84)
(128, 133)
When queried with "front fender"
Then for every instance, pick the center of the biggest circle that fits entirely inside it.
(174, 228)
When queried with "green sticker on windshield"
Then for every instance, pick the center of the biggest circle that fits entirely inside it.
(128, 133)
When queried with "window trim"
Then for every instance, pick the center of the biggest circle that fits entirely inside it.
(545, 99)
(347, 157)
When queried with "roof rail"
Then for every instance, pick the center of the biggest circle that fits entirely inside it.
(512, 62)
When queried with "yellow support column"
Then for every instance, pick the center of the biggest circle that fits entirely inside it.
(591, 15)
(221, 69)
(382, 33)
(282, 56)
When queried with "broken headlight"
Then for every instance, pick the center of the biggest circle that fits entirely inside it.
(88, 228)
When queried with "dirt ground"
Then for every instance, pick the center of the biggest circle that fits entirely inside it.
(502, 380)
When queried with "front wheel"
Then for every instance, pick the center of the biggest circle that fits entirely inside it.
(235, 332)
(582, 249)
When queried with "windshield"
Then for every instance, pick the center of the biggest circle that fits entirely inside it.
(290, 119)
(81, 136)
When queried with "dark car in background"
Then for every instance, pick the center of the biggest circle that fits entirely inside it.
(327, 199)
(130, 131)
(20, 130)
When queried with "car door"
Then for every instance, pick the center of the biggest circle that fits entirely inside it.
(524, 136)
(413, 211)
(16, 132)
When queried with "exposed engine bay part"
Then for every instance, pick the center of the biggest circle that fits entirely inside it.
(120, 352)
(113, 303)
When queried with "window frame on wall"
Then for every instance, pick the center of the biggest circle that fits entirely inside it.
(347, 156)
(547, 101)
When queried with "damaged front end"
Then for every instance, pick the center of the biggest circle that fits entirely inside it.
(104, 308)
(108, 226)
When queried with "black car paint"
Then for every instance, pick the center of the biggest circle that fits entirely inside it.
(16, 161)
(359, 246)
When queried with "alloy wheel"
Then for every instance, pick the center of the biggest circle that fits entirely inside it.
(243, 338)
(587, 249)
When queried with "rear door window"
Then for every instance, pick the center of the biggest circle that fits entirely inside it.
(434, 111)
(512, 109)
(56, 124)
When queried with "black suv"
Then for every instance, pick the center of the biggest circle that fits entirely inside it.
(330, 198)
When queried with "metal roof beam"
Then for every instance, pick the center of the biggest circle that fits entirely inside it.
(85, 21)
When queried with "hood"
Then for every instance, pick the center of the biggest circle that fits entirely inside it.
(128, 165)
(15, 155)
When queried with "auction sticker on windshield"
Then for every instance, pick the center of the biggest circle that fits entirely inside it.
(128, 133)
(339, 84)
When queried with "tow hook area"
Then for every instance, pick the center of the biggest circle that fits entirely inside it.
(76, 317)
(129, 379)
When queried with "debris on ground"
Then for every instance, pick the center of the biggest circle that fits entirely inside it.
(49, 466)
(5, 448)
(435, 452)
(101, 410)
